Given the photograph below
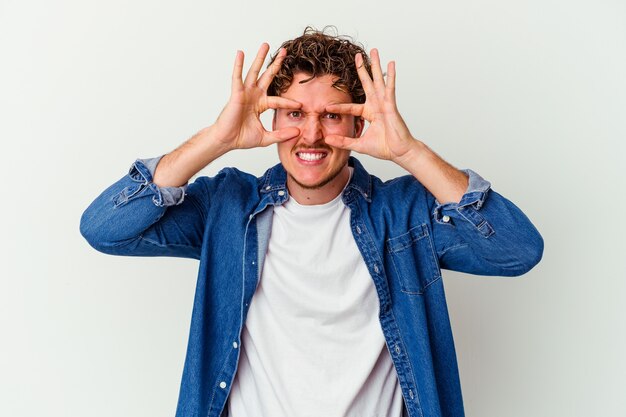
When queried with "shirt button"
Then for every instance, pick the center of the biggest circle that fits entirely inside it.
(397, 349)
(411, 394)
(445, 219)
(235, 345)
(281, 193)
(268, 187)
(222, 384)
(376, 269)
(358, 230)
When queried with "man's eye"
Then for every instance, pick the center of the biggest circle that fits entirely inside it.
(332, 116)
(295, 114)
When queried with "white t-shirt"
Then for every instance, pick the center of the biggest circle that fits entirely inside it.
(312, 344)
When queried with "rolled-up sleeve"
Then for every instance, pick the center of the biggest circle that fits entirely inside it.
(469, 205)
(485, 233)
(135, 217)
(142, 172)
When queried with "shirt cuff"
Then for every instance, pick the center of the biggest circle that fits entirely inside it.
(142, 171)
(469, 205)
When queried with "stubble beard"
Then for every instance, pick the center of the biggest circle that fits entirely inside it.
(323, 182)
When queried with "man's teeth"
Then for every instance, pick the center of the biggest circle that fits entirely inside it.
(311, 156)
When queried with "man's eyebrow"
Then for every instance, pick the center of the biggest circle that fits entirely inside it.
(307, 112)
(302, 111)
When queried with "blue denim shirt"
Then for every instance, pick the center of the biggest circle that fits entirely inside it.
(404, 235)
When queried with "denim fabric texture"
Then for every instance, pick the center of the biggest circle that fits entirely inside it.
(404, 235)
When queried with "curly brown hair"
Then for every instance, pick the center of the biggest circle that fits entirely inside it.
(319, 53)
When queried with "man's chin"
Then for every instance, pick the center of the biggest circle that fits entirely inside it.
(311, 185)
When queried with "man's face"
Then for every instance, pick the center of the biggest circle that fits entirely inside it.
(310, 163)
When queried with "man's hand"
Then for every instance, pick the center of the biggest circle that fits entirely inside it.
(239, 126)
(387, 136)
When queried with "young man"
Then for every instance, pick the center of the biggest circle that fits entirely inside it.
(319, 291)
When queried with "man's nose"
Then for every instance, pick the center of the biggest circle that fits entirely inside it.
(312, 130)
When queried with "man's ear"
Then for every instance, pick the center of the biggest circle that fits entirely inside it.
(359, 123)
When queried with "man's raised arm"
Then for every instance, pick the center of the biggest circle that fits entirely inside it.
(475, 229)
(152, 211)
(237, 127)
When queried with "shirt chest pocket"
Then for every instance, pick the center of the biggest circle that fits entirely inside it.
(413, 259)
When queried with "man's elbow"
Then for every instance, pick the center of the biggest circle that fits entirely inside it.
(95, 232)
(90, 230)
(529, 254)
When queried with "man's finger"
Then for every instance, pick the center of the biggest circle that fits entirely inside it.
(391, 81)
(257, 64)
(270, 73)
(377, 72)
(346, 108)
(280, 135)
(342, 142)
(237, 71)
(364, 76)
(275, 102)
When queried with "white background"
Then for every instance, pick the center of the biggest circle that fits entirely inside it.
(530, 94)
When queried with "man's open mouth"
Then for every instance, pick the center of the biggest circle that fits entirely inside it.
(311, 156)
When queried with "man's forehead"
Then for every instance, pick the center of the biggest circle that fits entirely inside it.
(301, 77)
(315, 93)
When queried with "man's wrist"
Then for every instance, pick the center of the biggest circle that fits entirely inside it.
(411, 158)
(444, 181)
(177, 167)
(209, 140)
